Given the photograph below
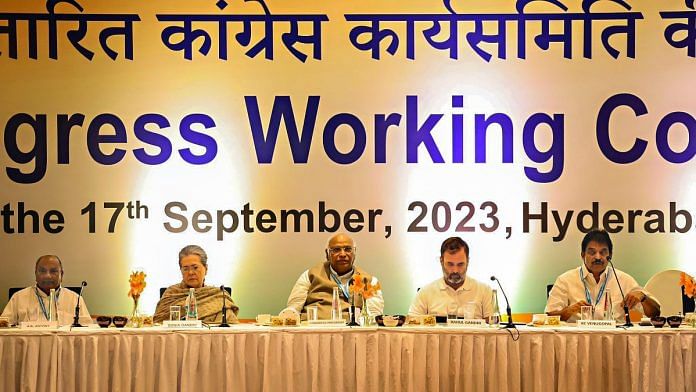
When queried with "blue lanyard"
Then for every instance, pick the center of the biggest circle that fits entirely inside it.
(601, 289)
(41, 302)
(344, 288)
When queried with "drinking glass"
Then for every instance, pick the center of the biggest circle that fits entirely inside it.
(586, 313)
(452, 310)
(175, 313)
(312, 313)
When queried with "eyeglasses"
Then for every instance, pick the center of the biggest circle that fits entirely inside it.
(337, 249)
(188, 268)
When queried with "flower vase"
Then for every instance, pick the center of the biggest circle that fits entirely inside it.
(364, 315)
(136, 319)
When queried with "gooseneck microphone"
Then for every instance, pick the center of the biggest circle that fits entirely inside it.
(509, 324)
(224, 309)
(76, 319)
(628, 316)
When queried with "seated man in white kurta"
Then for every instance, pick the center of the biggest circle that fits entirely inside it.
(454, 289)
(315, 286)
(586, 285)
(32, 303)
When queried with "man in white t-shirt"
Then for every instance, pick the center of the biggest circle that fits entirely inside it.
(454, 291)
(32, 303)
(587, 285)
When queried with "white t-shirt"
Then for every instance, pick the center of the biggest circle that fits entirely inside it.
(436, 297)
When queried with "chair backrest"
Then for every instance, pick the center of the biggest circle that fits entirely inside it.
(665, 287)
(163, 289)
(548, 290)
(13, 290)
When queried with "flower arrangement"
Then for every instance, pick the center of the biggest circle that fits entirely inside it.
(361, 286)
(137, 285)
(687, 281)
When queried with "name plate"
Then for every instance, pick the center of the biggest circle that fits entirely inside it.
(38, 325)
(183, 324)
(467, 323)
(597, 324)
(328, 323)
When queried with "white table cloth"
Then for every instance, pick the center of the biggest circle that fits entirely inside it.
(438, 358)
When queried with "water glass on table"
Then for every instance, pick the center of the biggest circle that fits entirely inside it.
(175, 313)
(452, 309)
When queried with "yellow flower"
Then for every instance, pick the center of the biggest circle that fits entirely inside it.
(689, 286)
(137, 284)
(362, 286)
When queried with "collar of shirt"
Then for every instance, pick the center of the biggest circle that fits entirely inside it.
(345, 277)
(44, 295)
(465, 287)
(587, 275)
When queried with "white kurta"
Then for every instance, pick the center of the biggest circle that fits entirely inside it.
(24, 306)
(436, 297)
(298, 295)
(570, 289)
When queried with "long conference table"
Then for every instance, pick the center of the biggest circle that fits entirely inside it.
(254, 358)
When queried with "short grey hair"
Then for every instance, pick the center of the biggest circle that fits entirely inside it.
(194, 250)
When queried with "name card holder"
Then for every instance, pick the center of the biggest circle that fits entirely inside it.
(467, 323)
(38, 325)
(597, 324)
(327, 323)
(182, 324)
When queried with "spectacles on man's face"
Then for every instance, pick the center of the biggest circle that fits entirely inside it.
(194, 268)
(337, 249)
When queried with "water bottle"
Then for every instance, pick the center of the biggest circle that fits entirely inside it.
(336, 305)
(191, 308)
(52, 306)
(608, 306)
(495, 316)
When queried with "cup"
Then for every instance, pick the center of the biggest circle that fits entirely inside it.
(468, 311)
(586, 313)
(263, 319)
(312, 313)
(674, 321)
(175, 313)
(120, 321)
(147, 320)
(690, 319)
(452, 311)
(104, 321)
(539, 319)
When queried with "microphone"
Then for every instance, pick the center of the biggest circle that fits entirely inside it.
(224, 309)
(509, 324)
(628, 317)
(76, 319)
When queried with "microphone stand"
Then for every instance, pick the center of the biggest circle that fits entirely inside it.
(351, 321)
(223, 324)
(76, 319)
(628, 317)
(509, 324)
